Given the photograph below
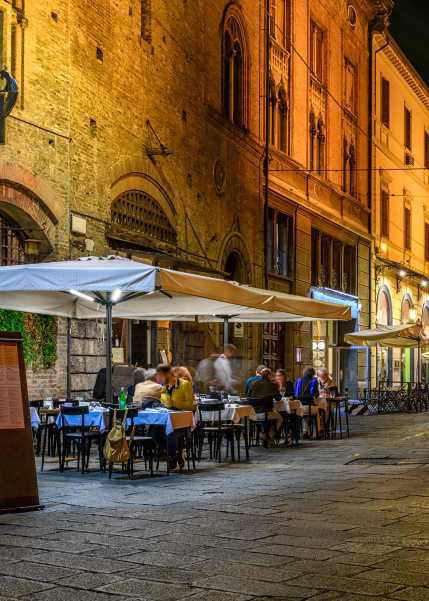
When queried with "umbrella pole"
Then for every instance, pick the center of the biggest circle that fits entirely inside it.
(69, 343)
(225, 331)
(109, 392)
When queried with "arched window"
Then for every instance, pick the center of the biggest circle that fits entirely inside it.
(234, 267)
(384, 318)
(406, 307)
(384, 308)
(234, 69)
(134, 212)
(349, 168)
(283, 119)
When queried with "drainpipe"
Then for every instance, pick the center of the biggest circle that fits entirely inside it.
(267, 137)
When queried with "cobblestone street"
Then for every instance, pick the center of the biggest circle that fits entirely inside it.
(331, 520)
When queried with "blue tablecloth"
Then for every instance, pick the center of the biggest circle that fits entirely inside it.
(96, 419)
(171, 420)
(35, 419)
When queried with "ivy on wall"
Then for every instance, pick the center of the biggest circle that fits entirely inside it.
(39, 333)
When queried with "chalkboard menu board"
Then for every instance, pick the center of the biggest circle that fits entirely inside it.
(18, 482)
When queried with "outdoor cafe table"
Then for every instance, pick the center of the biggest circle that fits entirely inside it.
(95, 418)
(231, 413)
(170, 420)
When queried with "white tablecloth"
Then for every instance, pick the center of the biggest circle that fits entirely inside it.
(232, 413)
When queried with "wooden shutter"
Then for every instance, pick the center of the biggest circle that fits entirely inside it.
(385, 102)
(426, 150)
(426, 241)
(407, 228)
(384, 213)
(319, 54)
(407, 128)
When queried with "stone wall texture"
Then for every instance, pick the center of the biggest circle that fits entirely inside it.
(103, 81)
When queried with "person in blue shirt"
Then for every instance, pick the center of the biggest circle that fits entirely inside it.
(256, 378)
(307, 388)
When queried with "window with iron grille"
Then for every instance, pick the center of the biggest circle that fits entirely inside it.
(12, 250)
(136, 211)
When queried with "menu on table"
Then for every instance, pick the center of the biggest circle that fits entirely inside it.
(11, 405)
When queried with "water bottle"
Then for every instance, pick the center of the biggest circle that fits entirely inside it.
(122, 399)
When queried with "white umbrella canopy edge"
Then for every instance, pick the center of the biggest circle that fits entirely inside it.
(398, 336)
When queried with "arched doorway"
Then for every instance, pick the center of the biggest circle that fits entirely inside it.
(407, 354)
(384, 318)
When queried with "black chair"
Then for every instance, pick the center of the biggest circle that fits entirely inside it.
(263, 407)
(50, 437)
(80, 437)
(211, 425)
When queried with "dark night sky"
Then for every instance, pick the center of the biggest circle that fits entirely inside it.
(410, 28)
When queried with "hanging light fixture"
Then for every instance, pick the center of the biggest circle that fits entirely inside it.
(32, 247)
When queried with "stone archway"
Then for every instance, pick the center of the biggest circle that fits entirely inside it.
(30, 216)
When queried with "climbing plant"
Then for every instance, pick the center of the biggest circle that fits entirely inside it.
(39, 334)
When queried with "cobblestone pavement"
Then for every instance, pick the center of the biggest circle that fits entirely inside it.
(331, 520)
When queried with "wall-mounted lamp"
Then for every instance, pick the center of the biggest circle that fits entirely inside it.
(422, 286)
(401, 275)
(413, 314)
(32, 247)
(298, 355)
(383, 248)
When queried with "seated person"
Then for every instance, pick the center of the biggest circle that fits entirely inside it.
(265, 386)
(182, 373)
(176, 392)
(266, 390)
(256, 378)
(326, 383)
(285, 386)
(146, 390)
(307, 388)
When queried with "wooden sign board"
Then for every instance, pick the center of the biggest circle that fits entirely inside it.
(18, 481)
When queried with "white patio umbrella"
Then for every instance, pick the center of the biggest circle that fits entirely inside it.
(400, 336)
(104, 287)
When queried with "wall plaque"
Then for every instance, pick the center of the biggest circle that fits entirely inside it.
(18, 481)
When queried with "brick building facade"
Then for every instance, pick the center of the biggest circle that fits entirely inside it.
(140, 130)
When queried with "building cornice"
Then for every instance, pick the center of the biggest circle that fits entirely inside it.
(407, 71)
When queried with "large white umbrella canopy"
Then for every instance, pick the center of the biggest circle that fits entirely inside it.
(81, 289)
(105, 287)
(400, 336)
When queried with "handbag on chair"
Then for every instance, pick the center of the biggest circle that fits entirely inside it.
(116, 448)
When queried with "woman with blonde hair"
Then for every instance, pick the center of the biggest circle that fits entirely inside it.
(182, 373)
